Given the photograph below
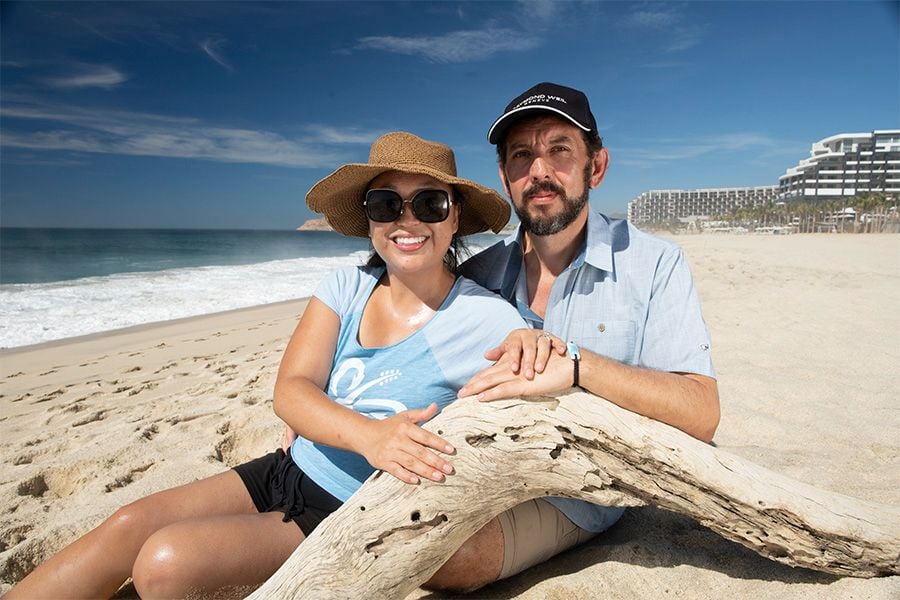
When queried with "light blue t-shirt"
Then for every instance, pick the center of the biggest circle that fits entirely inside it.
(428, 366)
(628, 295)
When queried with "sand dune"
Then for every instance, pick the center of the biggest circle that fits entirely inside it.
(805, 341)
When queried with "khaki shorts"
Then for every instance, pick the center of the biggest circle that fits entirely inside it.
(536, 531)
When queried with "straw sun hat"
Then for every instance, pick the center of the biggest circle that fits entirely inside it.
(340, 195)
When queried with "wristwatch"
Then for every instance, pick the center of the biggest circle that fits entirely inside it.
(575, 355)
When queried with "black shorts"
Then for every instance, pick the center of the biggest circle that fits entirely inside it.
(276, 483)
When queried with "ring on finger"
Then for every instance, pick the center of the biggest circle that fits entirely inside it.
(545, 335)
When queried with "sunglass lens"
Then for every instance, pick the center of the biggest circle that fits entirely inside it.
(383, 206)
(431, 206)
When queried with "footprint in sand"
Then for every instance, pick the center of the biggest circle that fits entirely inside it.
(24, 459)
(147, 385)
(50, 396)
(93, 418)
(127, 479)
(177, 419)
(57, 482)
(164, 367)
(148, 433)
(14, 535)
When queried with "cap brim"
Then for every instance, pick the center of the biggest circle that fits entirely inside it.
(499, 128)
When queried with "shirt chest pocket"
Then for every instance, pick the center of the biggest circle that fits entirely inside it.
(616, 339)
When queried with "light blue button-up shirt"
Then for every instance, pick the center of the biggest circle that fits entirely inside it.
(628, 295)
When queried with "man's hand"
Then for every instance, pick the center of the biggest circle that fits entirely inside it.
(500, 381)
(527, 351)
(398, 446)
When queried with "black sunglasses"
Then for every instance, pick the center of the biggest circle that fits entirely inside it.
(386, 206)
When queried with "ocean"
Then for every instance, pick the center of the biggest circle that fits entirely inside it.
(60, 283)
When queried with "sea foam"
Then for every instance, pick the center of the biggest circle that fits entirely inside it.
(35, 313)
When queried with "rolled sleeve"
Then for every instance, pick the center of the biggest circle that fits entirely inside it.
(675, 337)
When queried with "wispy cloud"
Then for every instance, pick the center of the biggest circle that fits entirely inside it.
(64, 128)
(670, 150)
(86, 76)
(541, 10)
(212, 47)
(654, 17)
(336, 135)
(455, 46)
(675, 32)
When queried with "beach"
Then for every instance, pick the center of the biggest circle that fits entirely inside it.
(805, 332)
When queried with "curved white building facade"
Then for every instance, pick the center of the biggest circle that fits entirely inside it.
(846, 164)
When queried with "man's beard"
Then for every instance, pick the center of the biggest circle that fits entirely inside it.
(572, 207)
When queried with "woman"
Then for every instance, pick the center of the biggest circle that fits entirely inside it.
(378, 349)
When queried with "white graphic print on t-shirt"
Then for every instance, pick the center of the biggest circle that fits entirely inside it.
(348, 394)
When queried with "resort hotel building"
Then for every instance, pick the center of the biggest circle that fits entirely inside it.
(843, 165)
(659, 206)
(846, 164)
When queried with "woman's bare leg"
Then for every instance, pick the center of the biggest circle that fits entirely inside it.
(203, 555)
(96, 565)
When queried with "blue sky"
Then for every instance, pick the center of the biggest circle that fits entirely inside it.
(223, 115)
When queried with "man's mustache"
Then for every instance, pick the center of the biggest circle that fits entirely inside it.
(543, 186)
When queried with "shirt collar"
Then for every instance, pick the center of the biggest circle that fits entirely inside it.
(598, 242)
(597, 252)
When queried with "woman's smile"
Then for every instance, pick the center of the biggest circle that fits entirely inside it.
(408, 243)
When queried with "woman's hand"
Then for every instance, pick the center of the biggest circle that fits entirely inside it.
(499, 381)
(287, 439)
(398, 446)
(527, 351)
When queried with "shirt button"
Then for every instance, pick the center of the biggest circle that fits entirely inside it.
(601, 327)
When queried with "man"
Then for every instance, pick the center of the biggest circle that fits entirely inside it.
(624, 298)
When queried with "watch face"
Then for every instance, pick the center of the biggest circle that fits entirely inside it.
(574, 352)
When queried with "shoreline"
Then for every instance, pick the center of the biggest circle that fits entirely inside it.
(136, 330)
(804, 332)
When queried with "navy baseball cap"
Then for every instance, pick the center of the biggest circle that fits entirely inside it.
(563, 101)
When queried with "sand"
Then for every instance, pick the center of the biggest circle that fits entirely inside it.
(805, 335)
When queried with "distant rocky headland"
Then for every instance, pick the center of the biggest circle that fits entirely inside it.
(315, 225)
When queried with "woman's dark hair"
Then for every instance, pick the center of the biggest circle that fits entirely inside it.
(456, 253)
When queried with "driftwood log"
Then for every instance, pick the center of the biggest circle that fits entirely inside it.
(391, 537)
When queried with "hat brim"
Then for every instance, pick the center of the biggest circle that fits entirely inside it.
(339, 197)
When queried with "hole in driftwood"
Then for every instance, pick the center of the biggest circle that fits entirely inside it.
(480, 440)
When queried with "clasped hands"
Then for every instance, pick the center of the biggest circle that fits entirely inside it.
(528, 362)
